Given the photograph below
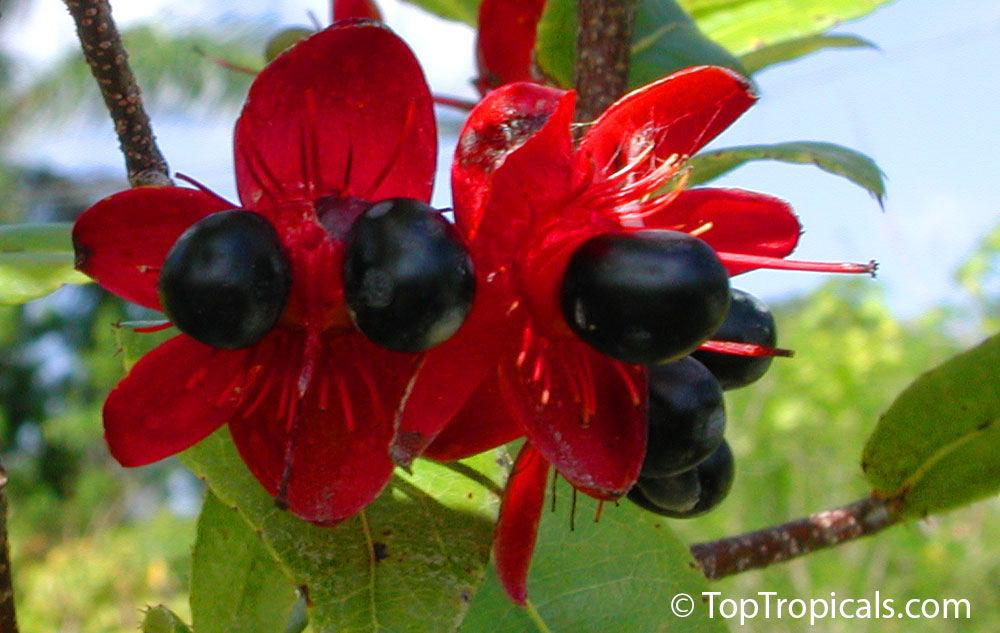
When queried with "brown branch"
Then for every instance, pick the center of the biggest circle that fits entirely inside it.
(103, 50)
(603, 43)
(8, 623)
(756, 550)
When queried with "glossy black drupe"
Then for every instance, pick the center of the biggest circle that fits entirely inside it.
(225, 280)
(691, 493)
(646, 296)
(408, 278)
(686, 417)
(748, 321)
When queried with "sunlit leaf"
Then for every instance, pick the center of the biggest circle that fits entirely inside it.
(133, 344)
(743, 26)
(664, 40)
(236, 585)
(160, 619)
(618, 574)
(411, 561)
(937, 445)
(836, 159)
(459, 10)
(789, 50)
(35, 259)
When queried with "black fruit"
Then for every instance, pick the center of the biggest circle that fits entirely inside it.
(691, 493)
(686, 417)
(408, 279)
(644, 297)
(225, 280)
(748, 321)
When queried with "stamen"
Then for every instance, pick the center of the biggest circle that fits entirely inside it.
(632, 391)
(202, 188)
(555, 477)
(701, 230)
(597, 514)
(197, 376)
(345, 400)
(572, 511)
(310, 147)
(324, 388)
(776, 263)
(158, 327)
(454, 102)
(525, 345)
(744, 349)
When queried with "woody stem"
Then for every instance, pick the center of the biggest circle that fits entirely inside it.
(778, 543)
(108, 61)
(603, 44)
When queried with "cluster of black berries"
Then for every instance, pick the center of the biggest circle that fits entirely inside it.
(408, 279)
(647, 297)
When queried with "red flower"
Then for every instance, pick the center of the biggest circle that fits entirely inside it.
(505, 42)
(344, 116)
(525, 197)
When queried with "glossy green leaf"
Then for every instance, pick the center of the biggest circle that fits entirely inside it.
(160, 619)
(665, 39)
(236, 585)
(788, 50)
(743, 26)
(35, 259)
(619, 574)
(459, 10)
(937, 445)
(835, 159)
(411, 561)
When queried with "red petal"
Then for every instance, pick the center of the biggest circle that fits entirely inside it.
(733, 221)
(517, 527)
(483, 423)
(679, 113)
(447, 375)
(175, 395)
(506, 41)
(345, 112)
(501, 123)
(122, 240)
(583, 411)
(324, 455)
(350, 9)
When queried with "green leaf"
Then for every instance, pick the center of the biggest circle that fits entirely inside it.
(936, 447)
(35, 259)
(618, 574)
(459, 10)
(786, 51)
(743, 26)
(665, 39)
(835, 159)
(133, 345)
(160, 619)
(411, 561)
(555, 46)
(236, 585)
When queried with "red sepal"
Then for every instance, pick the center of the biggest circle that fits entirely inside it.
(501, 123)
(732, 221)
(517, 526)
(354, 9)
(345, 112)
(506, 41)
(324, 454)
(122, 240)
(583, 411)
(176, 395)
(484, 422)
(677, 114)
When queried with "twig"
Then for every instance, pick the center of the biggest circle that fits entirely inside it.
(103, 50)
(8, 623)
(756, 550)
(603, 44)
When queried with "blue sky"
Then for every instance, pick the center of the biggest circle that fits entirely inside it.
(924, 107)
